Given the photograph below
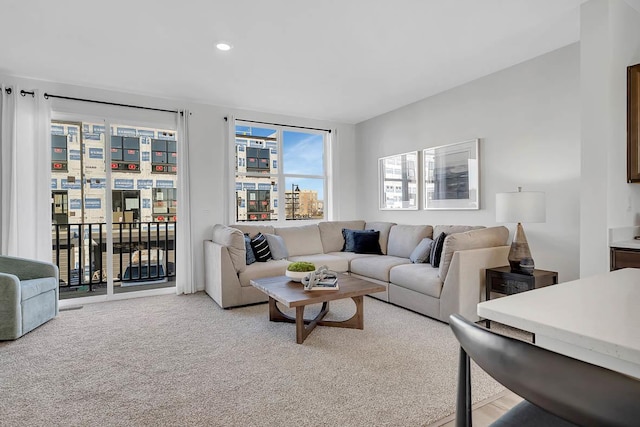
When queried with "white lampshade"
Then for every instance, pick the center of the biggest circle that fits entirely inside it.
(521, 206)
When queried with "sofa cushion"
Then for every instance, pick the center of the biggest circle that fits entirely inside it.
(422, 278)
(377, 267)
(367, 242)
(474, 239)
(331, 233)
(32, 287)
(260, 248)
(334, 263)
(253, 229)
(259, 270)
(302, 240)
(233, 239)
(421, 253)
(451, 229)
(436, 250)
(250, 256)
(383, 228)
(404, 238)
(277, 247)
(349, 256)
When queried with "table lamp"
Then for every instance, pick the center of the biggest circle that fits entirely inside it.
(520, 206)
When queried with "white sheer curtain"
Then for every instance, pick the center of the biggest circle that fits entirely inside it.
(229, 172)
(184, 250)
(25, 208)
(8, 183)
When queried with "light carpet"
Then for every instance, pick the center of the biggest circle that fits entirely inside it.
(182, 360)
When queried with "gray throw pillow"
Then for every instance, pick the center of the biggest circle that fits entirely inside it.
(421, 253)
(277, 247)
(251, 258)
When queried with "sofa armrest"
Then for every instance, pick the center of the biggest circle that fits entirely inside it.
(27, 269)
(220, 277)
(464, 285)
(10, 311)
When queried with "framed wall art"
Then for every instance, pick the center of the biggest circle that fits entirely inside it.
(451, 176)
(398, 181)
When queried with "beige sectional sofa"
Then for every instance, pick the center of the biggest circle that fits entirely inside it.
(456, 286)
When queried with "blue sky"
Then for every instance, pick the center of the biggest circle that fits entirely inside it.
(302, 155)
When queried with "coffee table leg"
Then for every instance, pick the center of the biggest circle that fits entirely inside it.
(355, 322)
(302, 331)
(275, 315)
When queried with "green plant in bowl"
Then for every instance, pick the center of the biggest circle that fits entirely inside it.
(297, 271)
(301, 266)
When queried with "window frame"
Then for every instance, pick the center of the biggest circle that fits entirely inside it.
(279, 206)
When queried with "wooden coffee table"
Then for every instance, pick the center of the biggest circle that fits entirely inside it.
(292, 294)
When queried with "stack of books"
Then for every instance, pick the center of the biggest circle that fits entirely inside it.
(329, 283)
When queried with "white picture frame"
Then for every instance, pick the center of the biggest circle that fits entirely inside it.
(398, 181)
(451, 176)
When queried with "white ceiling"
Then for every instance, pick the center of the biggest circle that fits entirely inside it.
(342, 60)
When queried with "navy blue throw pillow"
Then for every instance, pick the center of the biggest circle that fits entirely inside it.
(366, 242)
(261, 248)
(251, 258)
(436, 250)
(348, 238)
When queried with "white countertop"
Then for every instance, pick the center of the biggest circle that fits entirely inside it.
(626, 244)
(623, 237)
(599, 313)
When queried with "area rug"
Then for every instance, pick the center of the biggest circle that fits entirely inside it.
(182, 360)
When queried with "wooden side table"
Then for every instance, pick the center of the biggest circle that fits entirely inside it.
(503, 281)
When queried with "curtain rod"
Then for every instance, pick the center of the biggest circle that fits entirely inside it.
(49, 95)
(22, 92)
(279, 124)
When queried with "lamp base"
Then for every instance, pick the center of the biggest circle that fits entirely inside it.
(520, 258)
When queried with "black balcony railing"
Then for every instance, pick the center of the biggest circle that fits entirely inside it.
(143, 252)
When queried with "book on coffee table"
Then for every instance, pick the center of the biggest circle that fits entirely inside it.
(327, 284)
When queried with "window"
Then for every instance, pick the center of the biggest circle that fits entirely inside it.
(164, 156)
(59, 208)
(165, 204)
(125, 153)
(58, 152)
(125, 206)
(106, 175)
(272, 158)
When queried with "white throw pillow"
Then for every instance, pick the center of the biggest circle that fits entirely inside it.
(277, 247)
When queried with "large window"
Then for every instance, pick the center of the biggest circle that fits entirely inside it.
(280, 173)
(89, 163)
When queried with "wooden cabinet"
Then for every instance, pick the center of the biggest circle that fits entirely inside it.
(624, 258)
(502, 280)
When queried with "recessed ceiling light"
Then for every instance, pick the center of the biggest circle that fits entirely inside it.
(223, 46)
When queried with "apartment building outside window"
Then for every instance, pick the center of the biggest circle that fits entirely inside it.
(140, 198)
(280, 173)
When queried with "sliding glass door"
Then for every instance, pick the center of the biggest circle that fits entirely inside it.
(114, 206)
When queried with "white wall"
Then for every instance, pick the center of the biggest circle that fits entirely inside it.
(528, 120)
(610, 41)
(207, 152)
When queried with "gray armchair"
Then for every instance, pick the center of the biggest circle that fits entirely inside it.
(28, 295)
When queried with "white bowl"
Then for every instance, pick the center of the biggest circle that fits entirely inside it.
(296, 276)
